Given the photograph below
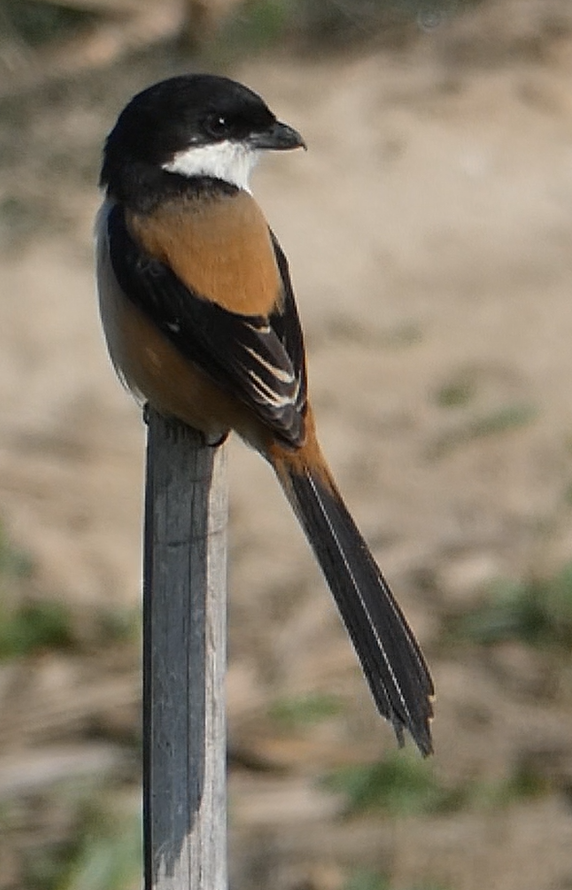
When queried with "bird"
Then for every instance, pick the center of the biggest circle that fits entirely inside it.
(200, 318)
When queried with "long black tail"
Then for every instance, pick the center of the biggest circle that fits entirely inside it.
(389, 654)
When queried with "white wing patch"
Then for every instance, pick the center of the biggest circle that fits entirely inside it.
(269, 395)
(285, 377)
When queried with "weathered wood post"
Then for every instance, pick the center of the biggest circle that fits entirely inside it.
(184, 657)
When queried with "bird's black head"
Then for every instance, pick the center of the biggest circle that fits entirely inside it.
(196, 125)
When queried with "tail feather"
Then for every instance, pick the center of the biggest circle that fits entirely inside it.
(389, 654)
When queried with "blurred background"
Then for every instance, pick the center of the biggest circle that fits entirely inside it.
(429, 232)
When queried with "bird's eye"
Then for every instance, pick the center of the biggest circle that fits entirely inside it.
(217, 125)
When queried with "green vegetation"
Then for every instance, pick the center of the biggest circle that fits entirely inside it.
(504, 418)
(36, 23)
(257, 26)
(522, 784)
(104, 854)
(402, 785)
(537, 612)
(364, 879)
(496, 421)
(457, 393)
(338, 23)
(106, 860)
(26, 625)
(14, 563)
(306, 710)
(255, 23)
(30, 624)
(34, 626)
(409, 333)
(87, 846)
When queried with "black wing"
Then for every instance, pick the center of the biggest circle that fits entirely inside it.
(257, 359)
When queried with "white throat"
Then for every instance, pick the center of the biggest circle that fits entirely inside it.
(230, 161)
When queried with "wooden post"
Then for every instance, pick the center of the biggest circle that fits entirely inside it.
(184, 657)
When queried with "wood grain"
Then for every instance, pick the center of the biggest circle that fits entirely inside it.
(184, 661)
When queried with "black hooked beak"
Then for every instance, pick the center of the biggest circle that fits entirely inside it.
(278, 137)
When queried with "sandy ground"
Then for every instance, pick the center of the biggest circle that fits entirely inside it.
(429, 230)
